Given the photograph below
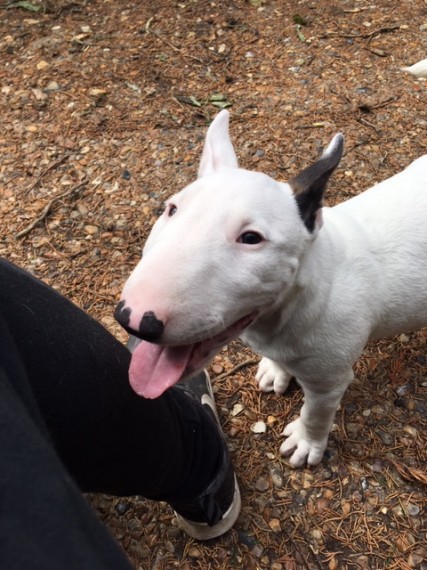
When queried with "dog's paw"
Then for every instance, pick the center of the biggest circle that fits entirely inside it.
(300, 447)
(270, 376)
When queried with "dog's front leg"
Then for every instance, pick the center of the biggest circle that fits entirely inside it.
(271, 376)
(307, 436)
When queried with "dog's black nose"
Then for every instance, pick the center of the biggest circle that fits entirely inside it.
(150, 328)
(122, 314)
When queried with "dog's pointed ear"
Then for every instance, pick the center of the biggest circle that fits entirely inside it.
(218, 152)
(309, 186)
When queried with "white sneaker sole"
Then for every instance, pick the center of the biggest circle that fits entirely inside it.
(202, 531)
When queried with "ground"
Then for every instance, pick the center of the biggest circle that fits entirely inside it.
(104, 105)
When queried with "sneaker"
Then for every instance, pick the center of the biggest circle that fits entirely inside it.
(217, 508)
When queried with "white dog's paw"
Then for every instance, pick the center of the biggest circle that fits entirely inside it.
(270, 376)
(301, 448)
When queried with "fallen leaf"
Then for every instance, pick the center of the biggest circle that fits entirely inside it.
(189, 100)
(300, 35)
(25, 5)
(237, 408)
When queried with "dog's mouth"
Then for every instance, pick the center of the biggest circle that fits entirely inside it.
(155, 368)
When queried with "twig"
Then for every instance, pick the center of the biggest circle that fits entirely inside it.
(148, 30)
(410, 473)
(108, 298)
(45, 171)
(48, 209)
(384, 30)
(236, 368)
(385, 102)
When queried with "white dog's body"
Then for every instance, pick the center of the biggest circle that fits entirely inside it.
(237, 253)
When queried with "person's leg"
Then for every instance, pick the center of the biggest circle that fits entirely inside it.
(109, 438)
(44, 520)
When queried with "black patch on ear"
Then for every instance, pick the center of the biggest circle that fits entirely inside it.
(310, 185)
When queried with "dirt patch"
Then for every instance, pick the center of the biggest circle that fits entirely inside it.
(104, 106)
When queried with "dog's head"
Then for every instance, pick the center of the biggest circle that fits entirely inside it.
(226, 250)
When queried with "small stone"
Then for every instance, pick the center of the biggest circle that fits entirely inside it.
(322, 505)
(412, 510)
(346, 508)
(414, 559)
(257, 550)
(317, 534)
(262, 484)
(82, 208)
(237, 409)
(42, 65)
(259, 427)
(274, 524)
(217, 368)
(97, 92)
(357, 497)
(385, 437)
(122, 507)
(91, 230)
(52, 86)
(246, 539)
(398, 511)
(410, 431)
(363, 562)
(377, 465)
(194, 552)
(276, 477)
(39, 94)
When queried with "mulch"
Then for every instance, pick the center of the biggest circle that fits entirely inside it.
(104, 106)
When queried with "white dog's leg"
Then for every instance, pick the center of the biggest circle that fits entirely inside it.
(307, 436)
(270, 376)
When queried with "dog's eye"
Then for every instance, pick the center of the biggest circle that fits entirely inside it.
(250, 238)
(172, 209)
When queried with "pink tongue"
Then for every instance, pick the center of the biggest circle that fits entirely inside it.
(155, 368)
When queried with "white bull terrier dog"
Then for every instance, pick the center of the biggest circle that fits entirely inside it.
(238, 254)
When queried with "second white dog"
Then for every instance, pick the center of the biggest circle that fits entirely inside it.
(237, 253)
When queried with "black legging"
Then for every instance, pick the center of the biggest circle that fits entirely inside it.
(64, 393)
